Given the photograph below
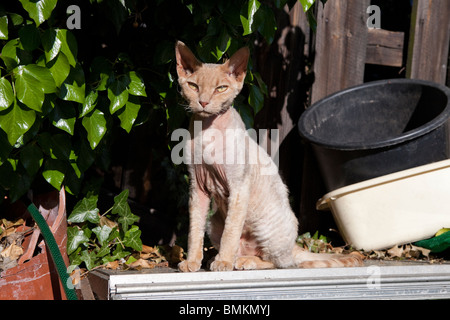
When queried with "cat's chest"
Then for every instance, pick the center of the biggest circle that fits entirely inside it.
(212, 180)
(220, 147)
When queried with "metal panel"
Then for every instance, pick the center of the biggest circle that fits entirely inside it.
(374, 281)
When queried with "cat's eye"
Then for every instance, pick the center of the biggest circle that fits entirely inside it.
(221, 89)
(193, 86)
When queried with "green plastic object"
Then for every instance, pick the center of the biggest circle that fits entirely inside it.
(436, 244)
(53, 248)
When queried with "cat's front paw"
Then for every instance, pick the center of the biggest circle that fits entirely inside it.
(221, 266)
(189, 266)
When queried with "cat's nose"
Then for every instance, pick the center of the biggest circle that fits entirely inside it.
(203, 104)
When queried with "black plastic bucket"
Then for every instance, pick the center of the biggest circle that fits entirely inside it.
(378, 128)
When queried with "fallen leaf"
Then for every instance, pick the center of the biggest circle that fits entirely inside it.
(8, 224)
(423, 251)
(338, 250)
(104, 221)
(143, 264)
(147, 249)
(114, 265)
(7, 232)
(13, 252)
(175, 255)
(395, 251)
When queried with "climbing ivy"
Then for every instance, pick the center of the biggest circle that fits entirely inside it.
(65, 94)
(96, 238)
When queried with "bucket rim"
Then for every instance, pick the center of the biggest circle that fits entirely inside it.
(407, 136)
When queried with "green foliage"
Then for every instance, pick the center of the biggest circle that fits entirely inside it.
(313, 243)
(55, 109)
(98, 239)
(60, 102)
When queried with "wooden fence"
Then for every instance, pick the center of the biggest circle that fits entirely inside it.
(341, 48)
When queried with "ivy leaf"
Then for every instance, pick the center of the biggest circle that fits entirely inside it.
(9, 54)
(85, 210)
(101, 70)
(63, 117)
(74, 86)
(59, 68)
(4, 28)
(129, 114)
(31, 158)
(54, 172)
(75, 237)
(256, 98)
(89, 258)
(132, 238)
(21, 184)
(118, 93)
(15, 121)
(136, 85)
(39, 10)
(223, 44)
(30, 37)
(32, 82)
(121, 203)
(55, 41)
(102, 234)
(306, 4)
(95, 125)
(247, 21)
(57, 146)
(266, 23)
(127, 219)
(90, 102)
(6, 94)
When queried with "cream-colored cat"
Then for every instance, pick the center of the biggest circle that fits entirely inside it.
(253, 226)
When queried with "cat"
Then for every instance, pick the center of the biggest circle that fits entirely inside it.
(253, 226)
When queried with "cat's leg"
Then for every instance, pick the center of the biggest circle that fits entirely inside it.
(252, 263)
(306, 259)
(198, 210)
(234, 224)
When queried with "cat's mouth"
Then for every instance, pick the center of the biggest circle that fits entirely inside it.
(204, 114)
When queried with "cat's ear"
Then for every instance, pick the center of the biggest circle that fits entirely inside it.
(187, 63)
(237, 65)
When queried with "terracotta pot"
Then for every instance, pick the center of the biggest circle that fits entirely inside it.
(35, 277)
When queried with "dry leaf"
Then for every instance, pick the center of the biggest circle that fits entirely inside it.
(104, 221)
(338, 250)
(175, 255)
(114, 265)
(7, 232)
(147, 249)
(8, 224)
(13, 252)
(423, 251)
(378, 254)
(396, 251)
(143, 264)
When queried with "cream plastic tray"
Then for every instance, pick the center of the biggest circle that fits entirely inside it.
(398, 208)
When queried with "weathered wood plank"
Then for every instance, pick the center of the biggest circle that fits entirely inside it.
(340, 46)
(429, 40)
(385, 47)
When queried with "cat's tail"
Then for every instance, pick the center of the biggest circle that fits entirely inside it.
(305, 259)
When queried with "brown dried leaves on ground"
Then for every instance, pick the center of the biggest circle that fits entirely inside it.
(11, 243)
